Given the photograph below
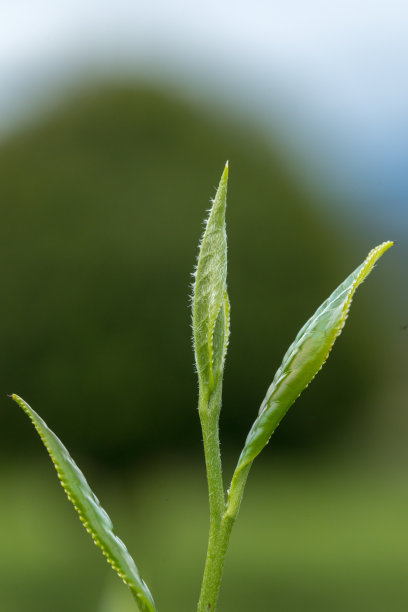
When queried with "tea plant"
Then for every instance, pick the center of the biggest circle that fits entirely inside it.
(210, 318)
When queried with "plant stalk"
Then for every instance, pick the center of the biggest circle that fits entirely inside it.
(209, 410)
(222, 514)
(217, 548)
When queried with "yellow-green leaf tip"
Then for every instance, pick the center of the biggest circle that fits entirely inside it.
(371, 259)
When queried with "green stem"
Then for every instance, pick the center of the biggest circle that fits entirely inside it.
(209, 410)
(217, 548)
(222, 515)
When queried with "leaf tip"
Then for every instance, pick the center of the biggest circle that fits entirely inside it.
(384, 246)
(371, 259)
(224, 177)
(20, 402)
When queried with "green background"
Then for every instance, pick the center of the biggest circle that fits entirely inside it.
(102, 204)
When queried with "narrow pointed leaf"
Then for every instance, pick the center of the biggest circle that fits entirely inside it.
(210, 304)
(92, 515)
(305, 357)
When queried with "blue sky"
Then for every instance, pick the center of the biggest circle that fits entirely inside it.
(331, 76)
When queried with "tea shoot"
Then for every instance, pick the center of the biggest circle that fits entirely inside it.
(211, 329)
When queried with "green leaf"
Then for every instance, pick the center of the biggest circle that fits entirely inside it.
(220, 337)
(305, 357)
(93, 516)
(210, 300)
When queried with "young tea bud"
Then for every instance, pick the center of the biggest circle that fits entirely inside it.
(210, 299)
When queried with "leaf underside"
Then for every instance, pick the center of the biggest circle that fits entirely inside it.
(305, 357)
(92, 515)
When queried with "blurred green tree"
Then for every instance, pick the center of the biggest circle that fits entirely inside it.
(100, 202)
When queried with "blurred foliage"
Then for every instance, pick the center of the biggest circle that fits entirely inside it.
(309, 537)
(102, 205)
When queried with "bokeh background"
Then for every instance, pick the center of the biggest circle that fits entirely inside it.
(116, 119)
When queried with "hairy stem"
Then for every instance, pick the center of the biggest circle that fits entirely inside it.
(222, 514)
(217, 548)
(209, 410)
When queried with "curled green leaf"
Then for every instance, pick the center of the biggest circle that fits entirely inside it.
(305, 357)
(210, 300)
(91, 513)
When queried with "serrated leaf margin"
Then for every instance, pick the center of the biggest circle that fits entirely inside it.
(136, 584)
(210, 286)
(256, 432)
